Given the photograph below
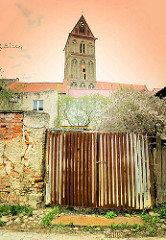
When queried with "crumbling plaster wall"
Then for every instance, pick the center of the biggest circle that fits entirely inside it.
(22, 148)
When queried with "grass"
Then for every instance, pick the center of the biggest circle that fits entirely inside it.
(161, 209)
(46, 221)
(15, 210)
(71, 224)
(89, 228)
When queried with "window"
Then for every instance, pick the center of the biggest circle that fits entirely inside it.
(82, 30)
(83, 69)
(82, 48)
(82, 85)
(38, 105)
(91, 86)
(84, 76)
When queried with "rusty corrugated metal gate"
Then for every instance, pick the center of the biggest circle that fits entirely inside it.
(105, 170)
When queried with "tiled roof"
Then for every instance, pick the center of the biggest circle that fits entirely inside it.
(76, 93)
(38, 87)
(115, 86)
(155, 90)
(103, 88)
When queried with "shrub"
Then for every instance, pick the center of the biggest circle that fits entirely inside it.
(110, 215)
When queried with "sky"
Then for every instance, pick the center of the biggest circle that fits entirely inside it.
(130, 45)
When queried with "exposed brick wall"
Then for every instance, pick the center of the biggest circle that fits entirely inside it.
(22, 142)
(10, 125)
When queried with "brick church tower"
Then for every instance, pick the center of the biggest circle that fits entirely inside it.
(80, 62)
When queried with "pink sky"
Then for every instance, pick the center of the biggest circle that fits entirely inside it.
(131, 45)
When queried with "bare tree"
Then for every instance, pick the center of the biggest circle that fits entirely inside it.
(129, 110)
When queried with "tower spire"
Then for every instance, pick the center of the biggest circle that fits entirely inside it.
(80, 62)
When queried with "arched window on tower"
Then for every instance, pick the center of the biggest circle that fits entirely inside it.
(83, 70)
(91, 86)
(82, 47)
(82, 85)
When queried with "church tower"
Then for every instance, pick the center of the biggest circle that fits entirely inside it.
(80, 62)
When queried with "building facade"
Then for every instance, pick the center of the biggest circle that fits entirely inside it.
(80, 62)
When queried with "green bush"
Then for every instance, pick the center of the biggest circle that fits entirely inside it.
(110, 215)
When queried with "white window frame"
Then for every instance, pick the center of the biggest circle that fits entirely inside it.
(37, 101)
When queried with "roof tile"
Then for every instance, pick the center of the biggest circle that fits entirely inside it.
(38, 87)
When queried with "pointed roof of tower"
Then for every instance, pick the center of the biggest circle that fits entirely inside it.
(82, 20)
(86, 31)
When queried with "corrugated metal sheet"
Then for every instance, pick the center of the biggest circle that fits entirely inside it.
(106, 170)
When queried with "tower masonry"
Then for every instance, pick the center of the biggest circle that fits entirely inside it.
(80, 62)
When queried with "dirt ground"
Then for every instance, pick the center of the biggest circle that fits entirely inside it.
(10, 235)
(73, 224)
(95, 221)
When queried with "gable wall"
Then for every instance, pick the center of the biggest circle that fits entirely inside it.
(49, 98)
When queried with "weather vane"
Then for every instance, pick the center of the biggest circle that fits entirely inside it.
(82, 12)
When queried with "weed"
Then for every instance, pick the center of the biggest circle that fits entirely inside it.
(146, 217)
(114, 226)
(110, 215)
(89, 228)
(138, 228)
(71, 224)
(135, 225)
(124, 226)
(1, 223)
(143, 212)
(46, 221)
(68, 210)
(101, 228)
(161, 209)
(30, 214)
(154, 220)
(127, 215)
(151, 230)
(4, 210)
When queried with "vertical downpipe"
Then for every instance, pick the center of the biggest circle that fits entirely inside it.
(97, 170)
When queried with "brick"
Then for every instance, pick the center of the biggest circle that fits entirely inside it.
(26, 170)
(19, 115)
(38, 180)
